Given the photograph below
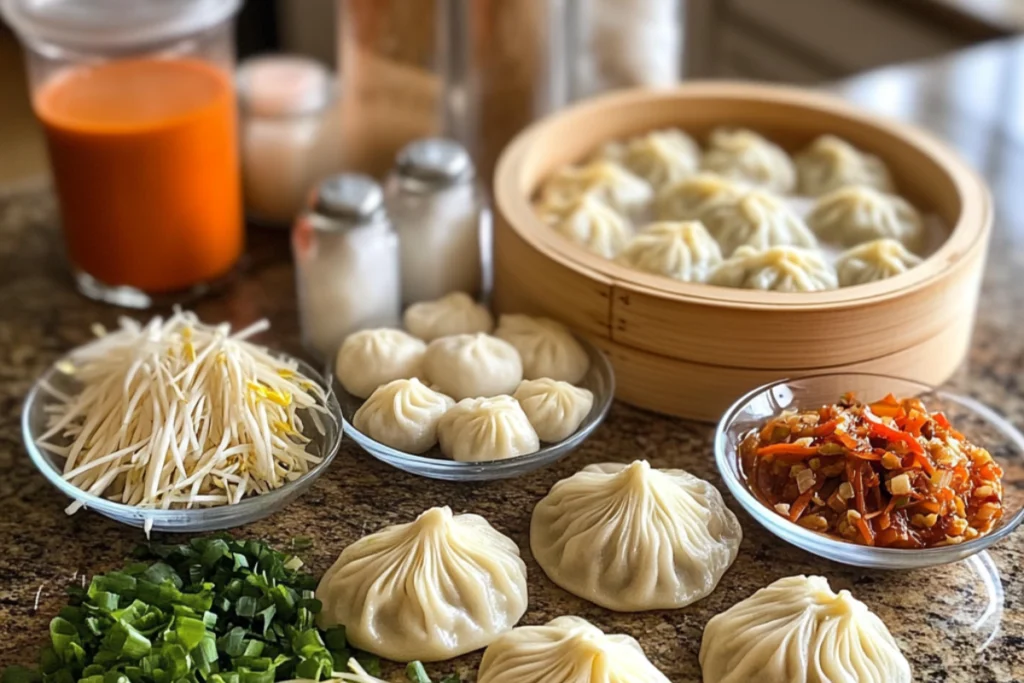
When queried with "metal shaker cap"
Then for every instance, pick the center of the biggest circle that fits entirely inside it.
(435, 161)
(349, 196)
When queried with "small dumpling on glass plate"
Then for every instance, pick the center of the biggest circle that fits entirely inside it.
(852, 215)
(556, 409)
(589, 222)
(453, 313)
(371, 358)
(631, 538)
(472, 365)
(798, 629)
(747, 157)
(566, 650)
(689, 198)
(659, 157)
(830, 162)
(483, 429)
(547, 347)
(680, 250)
(757, 219)
(779, 269)
(432, 589)
(618, 187)
(873, 261)
(403, 414)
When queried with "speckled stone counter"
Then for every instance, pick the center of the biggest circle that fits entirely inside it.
(943, 619)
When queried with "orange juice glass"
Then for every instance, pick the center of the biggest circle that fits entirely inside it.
(137, 103)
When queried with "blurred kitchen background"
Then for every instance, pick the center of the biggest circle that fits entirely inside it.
(795, 41)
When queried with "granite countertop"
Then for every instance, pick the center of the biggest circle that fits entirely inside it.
(954, 624)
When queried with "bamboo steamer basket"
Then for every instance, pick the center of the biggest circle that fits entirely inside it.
(691, 349)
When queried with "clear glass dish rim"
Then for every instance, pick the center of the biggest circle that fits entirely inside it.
(813, 542)
(241, 509)
(417, 464)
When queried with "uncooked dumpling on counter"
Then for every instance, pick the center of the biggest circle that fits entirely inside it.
(873, 261)
(830, 162)
(591, 223)
(432, 589)
(555, 409)
(745, 156)
(758, 219)
(632, 538)
(403, 414)
(483, 429)
(798, 631)
(472, 365)
(566, 650)
(852, 215)
(370, 358)
(682, 251)
(659, 157)
(620, 189)
(779, 269)
(688, 199)
(455, 313)
(547, 348)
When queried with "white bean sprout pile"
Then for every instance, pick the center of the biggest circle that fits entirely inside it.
(179, 414)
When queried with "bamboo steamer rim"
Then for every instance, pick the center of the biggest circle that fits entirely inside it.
(513, 191)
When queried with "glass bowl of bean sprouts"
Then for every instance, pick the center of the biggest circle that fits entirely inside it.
(184, 484)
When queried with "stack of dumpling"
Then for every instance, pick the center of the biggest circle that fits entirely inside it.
(730, 215)
(449, 380)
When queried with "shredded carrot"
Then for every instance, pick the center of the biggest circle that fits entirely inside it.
(864, 455)
(800, 504)
(827, 428)
(922, 460)
(865, 531)
(845, 439)
(788, 449)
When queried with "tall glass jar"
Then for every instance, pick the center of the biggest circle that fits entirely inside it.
(137, 102)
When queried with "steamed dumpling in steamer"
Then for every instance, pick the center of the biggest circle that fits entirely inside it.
(747, 157)
(830, 162)
(852, 215)
(566, 650)
(690, 198)
(797, 630)
(454, 313)
(632, 538)
(482, 429)
(682, 251)
(619, 188)
(435, 588)
(758, 219)
(591, 223)
(659, 157)
(779, 269)
(403, 414)
(873, 261)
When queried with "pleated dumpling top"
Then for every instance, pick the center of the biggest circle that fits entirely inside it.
(632, 538)
(435, 588)
(797, 630)
(566, 650)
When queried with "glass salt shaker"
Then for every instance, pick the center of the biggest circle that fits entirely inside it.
(346, 263)
(441, 219)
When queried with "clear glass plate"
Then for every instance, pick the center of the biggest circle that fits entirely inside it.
(599, 379)
(249, 509)
(978, 422)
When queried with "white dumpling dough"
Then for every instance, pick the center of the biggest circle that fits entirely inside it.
(547, 348)
(482, 429)
(472, 365)
(659, 157)
(566, 650)
(555, 409)
(682, 250)
(590, 223)
(680, 536)
(432, 589)
(370, 358)
(403, 414)
(455, 313)
(797, 630)
(747, 157)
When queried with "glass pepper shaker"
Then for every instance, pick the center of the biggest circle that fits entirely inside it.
(441, 219)
(346, 263)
